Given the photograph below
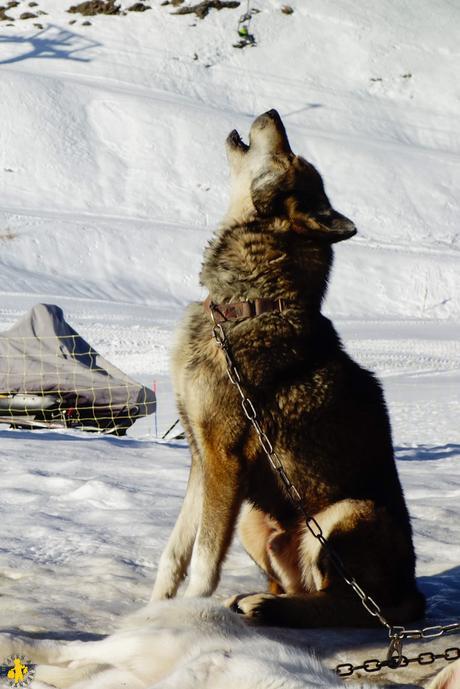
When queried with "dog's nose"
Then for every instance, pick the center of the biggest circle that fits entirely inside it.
(271, 117)
(268, 132)
(273, 114)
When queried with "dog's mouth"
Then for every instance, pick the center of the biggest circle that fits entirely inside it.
(267, 134)
(234, 141)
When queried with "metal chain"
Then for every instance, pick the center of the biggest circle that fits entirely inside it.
(396, 634)
(375, 665)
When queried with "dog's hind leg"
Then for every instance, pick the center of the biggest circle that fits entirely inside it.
(273, 549)
(373, 549)
(221, 502)
(330, 608)
(176, 556)
(254, 531)
(319, 609)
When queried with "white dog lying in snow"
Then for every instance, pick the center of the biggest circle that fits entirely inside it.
(183, 644)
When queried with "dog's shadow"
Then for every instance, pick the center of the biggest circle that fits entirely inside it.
(427, 452)
(442, 592)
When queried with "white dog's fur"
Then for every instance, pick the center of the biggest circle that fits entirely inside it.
(183, 644)
(449, 678)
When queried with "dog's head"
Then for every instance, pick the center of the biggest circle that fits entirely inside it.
(268, 180)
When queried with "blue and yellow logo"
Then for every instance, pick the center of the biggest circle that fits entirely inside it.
(17, 671)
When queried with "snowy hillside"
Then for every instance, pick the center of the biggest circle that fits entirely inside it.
(112, 178)
(113, 139)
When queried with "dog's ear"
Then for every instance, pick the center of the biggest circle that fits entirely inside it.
(267, 192)
(296, 190)
(309, 209)
(327, 225)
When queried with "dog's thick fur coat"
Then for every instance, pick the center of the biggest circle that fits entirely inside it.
(324, 414)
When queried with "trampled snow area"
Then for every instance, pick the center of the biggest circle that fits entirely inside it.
(112, 178)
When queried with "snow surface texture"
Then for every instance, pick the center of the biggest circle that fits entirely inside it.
(112, 178)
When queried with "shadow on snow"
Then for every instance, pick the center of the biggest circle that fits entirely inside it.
(427, 452)
(442, 591)
(74, 436)
(53, 43)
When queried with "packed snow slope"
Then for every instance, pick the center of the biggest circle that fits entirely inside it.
(113, 177)
(112, 158)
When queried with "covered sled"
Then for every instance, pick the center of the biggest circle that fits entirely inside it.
(51, 377)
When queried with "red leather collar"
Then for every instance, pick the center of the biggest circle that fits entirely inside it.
(243, 309)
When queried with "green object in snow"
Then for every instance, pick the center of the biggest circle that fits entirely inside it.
(243, 31)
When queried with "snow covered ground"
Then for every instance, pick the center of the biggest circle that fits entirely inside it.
(112, 178)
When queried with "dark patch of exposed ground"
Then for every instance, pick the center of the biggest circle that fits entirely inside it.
(202, 8)
(89, 8)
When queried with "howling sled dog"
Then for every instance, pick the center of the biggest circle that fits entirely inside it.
(266, 270)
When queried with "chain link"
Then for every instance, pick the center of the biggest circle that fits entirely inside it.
(396, 634)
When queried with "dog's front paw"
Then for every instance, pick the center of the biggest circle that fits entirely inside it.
(255, 606)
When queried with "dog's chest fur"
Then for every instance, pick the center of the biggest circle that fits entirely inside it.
(272, 350)
(291, 363)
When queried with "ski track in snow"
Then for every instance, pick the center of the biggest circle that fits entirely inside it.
(112, 177)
